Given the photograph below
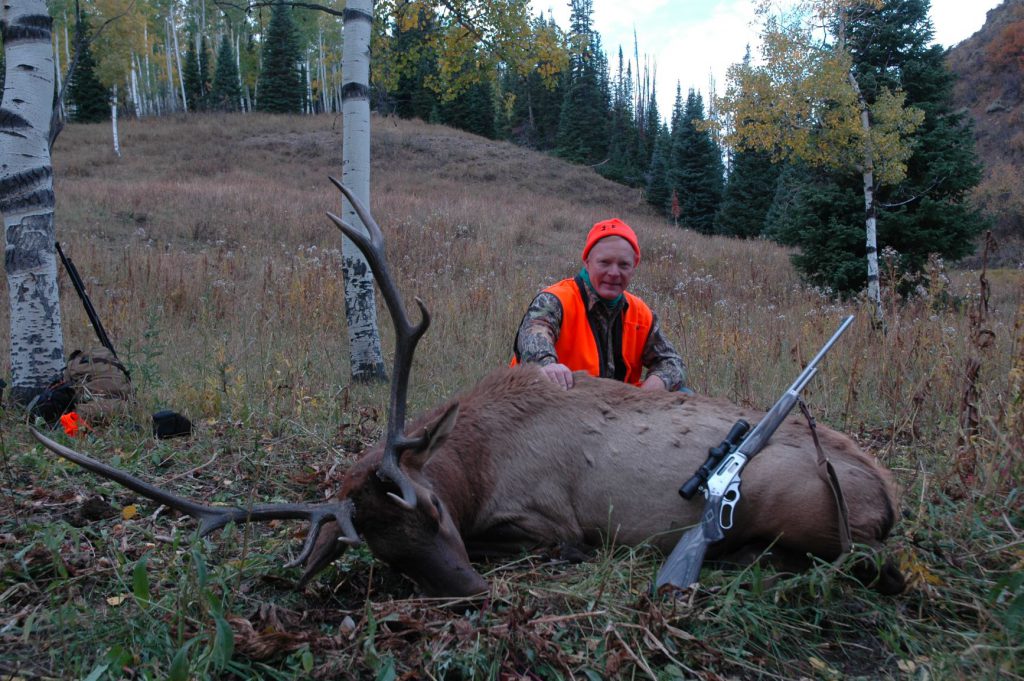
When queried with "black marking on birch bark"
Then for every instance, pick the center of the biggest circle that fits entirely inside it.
(28, 243)
(9, 119)
(51, 310)
(18, 183)
(356, 15)
(41, 198)
(31, 27)
(354, 267)
(369, 372)
(872, 249)
(872, 277)
(350, 91)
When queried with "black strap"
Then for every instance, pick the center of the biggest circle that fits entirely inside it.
(828, 474)
(89, 359)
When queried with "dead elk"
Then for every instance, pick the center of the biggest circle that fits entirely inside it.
(516, 463)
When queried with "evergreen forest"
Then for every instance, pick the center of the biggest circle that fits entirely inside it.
(562, 91)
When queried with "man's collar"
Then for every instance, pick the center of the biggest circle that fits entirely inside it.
(590, 297)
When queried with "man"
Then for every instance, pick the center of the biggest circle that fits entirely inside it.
(590, 323)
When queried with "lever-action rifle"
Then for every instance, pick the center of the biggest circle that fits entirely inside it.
(719, 479)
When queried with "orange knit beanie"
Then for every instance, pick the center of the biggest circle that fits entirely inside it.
(613, 227)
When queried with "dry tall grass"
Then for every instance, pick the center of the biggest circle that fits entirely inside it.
(207, 254)
(208, 243)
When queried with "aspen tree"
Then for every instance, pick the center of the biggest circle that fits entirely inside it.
(803, 103)
(26, 198)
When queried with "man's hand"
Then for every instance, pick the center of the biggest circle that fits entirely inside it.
(559, 374)
(653, 382)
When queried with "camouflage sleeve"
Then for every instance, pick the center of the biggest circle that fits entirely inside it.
(662, 360)
(535, 342)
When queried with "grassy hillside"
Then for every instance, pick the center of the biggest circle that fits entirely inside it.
(208, 256)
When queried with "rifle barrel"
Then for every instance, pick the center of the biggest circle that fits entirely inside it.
(90, 311)
(759, 436)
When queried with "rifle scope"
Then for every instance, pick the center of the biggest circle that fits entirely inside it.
(715, 456)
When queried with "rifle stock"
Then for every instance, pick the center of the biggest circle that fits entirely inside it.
(682, 567)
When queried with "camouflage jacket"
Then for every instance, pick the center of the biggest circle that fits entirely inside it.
(539, 330)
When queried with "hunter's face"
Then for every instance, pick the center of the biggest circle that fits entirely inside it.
(611, 264)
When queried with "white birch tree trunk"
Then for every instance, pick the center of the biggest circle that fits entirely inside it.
(67, 43)
(152, 99)
(57, 70)
(133, 84)
(26, 198)
(238, 69)
(310, 104)
(113, 122)
(870, 210)
(172, 99)
(322, 71)
(367, 363)
(177, 61)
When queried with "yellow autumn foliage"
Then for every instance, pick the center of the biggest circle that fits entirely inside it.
(802, 101)
(465, 39)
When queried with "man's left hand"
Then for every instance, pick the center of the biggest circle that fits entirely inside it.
(653, 382)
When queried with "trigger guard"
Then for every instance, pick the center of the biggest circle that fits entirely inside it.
(729, 501)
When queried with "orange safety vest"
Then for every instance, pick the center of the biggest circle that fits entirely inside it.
(576, 346)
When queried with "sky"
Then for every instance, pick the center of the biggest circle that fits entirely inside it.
(691, 41)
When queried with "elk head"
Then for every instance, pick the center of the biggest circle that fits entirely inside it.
(385, 496)
(421, 539)
(415, 534)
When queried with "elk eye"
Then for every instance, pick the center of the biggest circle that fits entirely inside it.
(437, 505)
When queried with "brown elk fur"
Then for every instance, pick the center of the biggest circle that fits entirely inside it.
(517, 462)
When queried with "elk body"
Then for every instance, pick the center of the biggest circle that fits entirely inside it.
(517, 462)
(528, 464)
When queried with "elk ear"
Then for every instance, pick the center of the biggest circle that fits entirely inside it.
(435, 434)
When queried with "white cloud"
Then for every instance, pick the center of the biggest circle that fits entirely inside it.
(956, 20)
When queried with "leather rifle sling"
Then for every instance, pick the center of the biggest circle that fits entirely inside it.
(828, 474)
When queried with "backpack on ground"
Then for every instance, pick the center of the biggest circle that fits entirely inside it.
(102, 385)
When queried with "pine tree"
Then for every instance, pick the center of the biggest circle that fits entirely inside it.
(695, 165)
(535, 109)
(279, 89)
(225, 95)
(583, 125)
(816, 210)
(625, 159)
(928, 212)
(417, 64)
(748, 195)
(192, 72)
(659, 192)
(533, 104)
(89, 100)
(652, 127)
(473, 109)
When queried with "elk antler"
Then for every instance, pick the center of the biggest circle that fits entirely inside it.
(215, 517)
(406, 337)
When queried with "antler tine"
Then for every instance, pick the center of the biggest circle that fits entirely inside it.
(407, 335)
(340, 512)
(215, 517)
